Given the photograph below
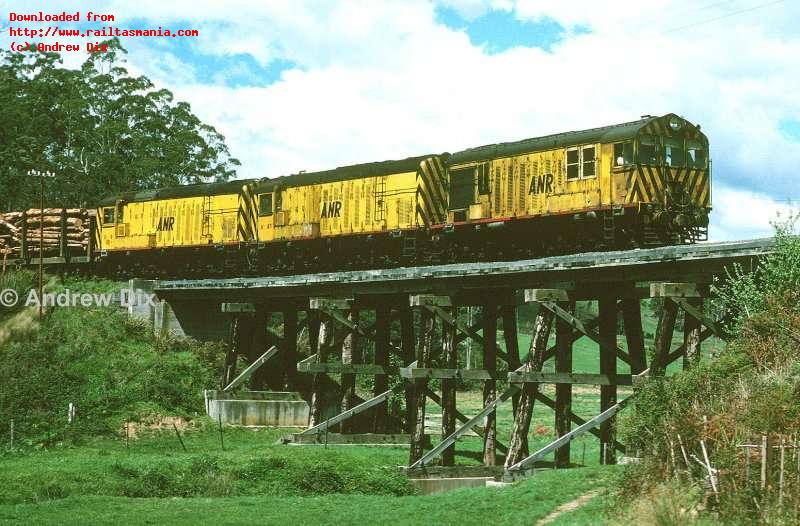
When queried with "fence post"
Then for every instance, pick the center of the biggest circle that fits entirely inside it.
(780, 479)
(764, 463)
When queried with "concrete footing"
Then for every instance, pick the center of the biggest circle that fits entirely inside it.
(257, 408)
(498, 484)
(435, 485)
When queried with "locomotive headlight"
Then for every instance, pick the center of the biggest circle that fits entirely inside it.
(675, 123)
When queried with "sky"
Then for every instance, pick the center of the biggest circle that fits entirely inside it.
(307, 85)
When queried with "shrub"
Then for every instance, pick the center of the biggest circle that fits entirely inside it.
(749, 390)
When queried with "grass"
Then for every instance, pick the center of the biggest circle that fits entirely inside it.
(156, 466)
(257, 480)
(524, 503)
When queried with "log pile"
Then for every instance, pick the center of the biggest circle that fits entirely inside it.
(46, 229)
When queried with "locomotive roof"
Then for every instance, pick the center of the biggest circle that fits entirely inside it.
(603, 134)
(174, 192)
(344, 173)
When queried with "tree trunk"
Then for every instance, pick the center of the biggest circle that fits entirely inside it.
(518, 449)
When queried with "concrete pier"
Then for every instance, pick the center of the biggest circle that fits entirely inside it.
(257, 408)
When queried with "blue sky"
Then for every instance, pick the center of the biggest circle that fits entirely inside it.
(314, 84)
(499, 30)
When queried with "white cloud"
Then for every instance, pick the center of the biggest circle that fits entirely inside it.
(381, 79)
(740, 214)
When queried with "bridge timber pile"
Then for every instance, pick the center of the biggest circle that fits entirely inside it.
(418, 307)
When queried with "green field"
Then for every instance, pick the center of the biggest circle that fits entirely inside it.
(256, 480)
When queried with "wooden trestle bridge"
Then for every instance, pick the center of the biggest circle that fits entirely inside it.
(420, 307)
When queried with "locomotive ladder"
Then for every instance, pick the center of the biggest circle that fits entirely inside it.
(380, 199)
(206, 216)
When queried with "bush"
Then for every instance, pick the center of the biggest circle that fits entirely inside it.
(748, 391)
(109, 366)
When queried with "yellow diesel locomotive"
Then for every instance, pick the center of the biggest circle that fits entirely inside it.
(641, 183)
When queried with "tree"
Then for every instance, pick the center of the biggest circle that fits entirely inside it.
(101, 130)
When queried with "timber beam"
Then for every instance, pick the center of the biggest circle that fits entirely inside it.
(237, 308)
(325, 303)
(346, 368)
(464, 374)
(677, 353)
(435, 398)
(674, 290)
(570, 378)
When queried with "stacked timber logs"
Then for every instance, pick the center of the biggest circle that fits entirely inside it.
(54, 228)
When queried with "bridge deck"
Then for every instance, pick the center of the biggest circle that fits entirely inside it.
(695, 263)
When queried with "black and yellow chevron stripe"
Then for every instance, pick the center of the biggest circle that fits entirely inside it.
(648, 184)
(247, 228)
(431, 192)
(660, 127)
(696, 183)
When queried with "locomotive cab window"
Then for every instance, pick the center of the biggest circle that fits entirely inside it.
(108, 216)
(696, 154)
(581, 162)
(623, 153)
(673, 152)
(120, 214)
(265, 205)
(573, 164)
(648, 150)
(588, 162)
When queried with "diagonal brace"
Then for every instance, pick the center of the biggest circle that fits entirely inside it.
(322, 426)
(258, 362)
(578, 431)
(469, 424)
(701, 317)
(619, 446)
